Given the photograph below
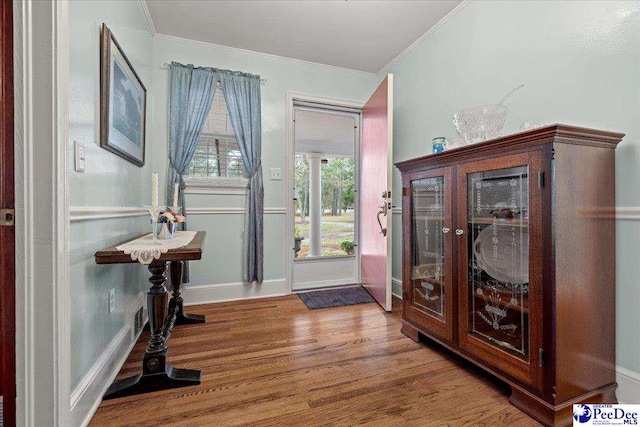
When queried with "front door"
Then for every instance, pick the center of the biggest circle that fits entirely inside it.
(326, 156)
(7, 232)
(375, 193)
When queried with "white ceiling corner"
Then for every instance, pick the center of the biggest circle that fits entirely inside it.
(359, 35)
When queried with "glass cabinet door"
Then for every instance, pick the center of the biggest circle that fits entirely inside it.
(497, 291)
(430, 265)
(498, 258)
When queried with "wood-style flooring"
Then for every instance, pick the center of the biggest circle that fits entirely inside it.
(273, 362)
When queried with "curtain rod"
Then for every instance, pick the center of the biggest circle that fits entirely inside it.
(167, 65)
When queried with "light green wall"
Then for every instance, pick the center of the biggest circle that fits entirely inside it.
(580, 63)
(222, 260)
(108, 181)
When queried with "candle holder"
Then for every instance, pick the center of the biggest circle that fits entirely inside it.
(153, 211)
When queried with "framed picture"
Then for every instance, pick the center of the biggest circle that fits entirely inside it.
(123, 102)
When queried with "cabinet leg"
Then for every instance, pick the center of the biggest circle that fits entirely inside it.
(410, 331)
(176, 302)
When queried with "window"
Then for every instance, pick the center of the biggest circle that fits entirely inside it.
(217, 153)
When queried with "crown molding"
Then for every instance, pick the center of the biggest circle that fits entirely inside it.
(261, 54)
(430, 31)
(147, 15)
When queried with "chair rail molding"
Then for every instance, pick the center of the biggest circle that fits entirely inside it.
(86, 213)
(628, 213)
(43, 298)
(232, 210)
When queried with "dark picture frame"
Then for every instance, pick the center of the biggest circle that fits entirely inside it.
(123, 102)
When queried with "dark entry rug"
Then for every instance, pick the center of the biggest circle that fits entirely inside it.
(337, 297)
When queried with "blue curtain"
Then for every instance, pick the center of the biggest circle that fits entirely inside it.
(242, 96)
(190, 94)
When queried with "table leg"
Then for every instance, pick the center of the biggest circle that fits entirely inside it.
(157, 372)
(176, 301)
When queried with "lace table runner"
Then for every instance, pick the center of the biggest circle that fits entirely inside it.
(145, 252)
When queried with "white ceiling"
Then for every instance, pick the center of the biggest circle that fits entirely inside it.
(360, 35)
(326, 133)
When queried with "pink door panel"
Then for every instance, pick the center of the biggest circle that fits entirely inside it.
(375, 217)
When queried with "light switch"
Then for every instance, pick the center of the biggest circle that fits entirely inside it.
(276, 174)
(79, 154)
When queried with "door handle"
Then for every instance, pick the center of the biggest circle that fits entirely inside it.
(445, 230)
(384, 210)
(459, 232)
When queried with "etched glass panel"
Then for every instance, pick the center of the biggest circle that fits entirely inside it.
(498, 230)
(428, 275)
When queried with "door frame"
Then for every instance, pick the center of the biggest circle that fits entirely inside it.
(43, 295)
(289, 181)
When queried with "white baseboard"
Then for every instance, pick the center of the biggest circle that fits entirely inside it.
(396, 287)
(628, 386)
(205, 294)
(87, 395)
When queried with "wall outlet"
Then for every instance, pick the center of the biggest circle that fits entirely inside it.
(79, 155)
(112, 300)
(276, 174)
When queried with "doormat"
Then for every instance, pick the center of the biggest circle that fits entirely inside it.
(337, 297)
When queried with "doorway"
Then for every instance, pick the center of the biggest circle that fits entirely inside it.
(326, 166)
(7, 231)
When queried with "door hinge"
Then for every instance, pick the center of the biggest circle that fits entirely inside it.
(7, 217)
(541, 179)
(405, 191)
(541, 356)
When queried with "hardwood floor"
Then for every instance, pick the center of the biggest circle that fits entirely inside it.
(273, 362)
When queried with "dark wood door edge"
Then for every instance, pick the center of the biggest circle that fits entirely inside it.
(7, 234)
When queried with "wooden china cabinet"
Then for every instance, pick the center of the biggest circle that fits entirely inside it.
(509, 262)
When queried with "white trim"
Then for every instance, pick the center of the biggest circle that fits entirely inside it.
(430, 31)
(396, 287)
(628, 213)
(396, 210)
(230, 211)
(215, 185)
(628, 386)
(261, 54)
(42, 289)
(206, 294)
(87, 395)
(87, 213)
(147, 15)
(290, 98)
(62, 236)
(24, 142)
(42, 323)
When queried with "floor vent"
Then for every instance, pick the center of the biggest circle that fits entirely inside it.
(136, 316)
(138, 321)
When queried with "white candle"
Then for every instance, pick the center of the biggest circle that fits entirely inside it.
(154, 189)
(175, 197)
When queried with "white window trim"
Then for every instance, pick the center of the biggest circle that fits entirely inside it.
(215, 185)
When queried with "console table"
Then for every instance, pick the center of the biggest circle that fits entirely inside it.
(157, 372)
